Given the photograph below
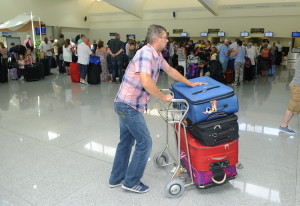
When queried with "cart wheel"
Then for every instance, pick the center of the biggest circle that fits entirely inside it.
(159, 162)
(174, 189)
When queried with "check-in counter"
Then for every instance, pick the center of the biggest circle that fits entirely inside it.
(292, 59)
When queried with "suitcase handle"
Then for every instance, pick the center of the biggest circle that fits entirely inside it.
(221, 158)
(218, 114)
(219, 182)
(204, 90)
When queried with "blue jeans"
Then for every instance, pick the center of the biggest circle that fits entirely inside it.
(116, 64)
(61, 66)
(82, 70)
(132, 128)
(224, 65)
(48, 58)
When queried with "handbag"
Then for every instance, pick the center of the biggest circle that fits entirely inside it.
(42, 55)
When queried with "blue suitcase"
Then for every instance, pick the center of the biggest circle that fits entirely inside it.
(206, 102)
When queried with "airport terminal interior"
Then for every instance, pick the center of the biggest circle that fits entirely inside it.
(58, 138)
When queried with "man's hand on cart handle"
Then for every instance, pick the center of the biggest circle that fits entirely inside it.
(167, 98)
(194, 84)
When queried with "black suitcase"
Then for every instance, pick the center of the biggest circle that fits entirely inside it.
(40, 65)
(32, 73)
(46, 69)
(180, 69)
(3, 71)
(248, 73)
(94, 72)
(215, 132)
(53, 63)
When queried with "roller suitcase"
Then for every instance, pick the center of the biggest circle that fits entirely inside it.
(32, 73)
(14, 74)
(74, 70)
(211, 166)
(94, 72)
(206, 100)
(41, 67)
(45, 66)
(3, 73)
(217, 131)
(229, 75)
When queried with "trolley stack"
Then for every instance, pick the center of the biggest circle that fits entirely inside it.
(207, 135)
(212, 131)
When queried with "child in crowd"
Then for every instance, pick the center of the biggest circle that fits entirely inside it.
(21, 63)
(203, 68)
(192, 59)
(214, 54)
(28, 57)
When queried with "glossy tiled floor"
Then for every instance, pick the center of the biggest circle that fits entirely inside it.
(58, 140)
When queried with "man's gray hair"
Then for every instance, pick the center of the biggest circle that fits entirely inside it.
(227, 40)
(153, 32)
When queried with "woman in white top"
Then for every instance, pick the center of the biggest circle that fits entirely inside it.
(67, 54)
(251, 53)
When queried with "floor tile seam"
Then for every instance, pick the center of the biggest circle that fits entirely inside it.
(295, 169)
(75, 142)
(85, 155)
(17, 195)
(74, 192)
(34, 139)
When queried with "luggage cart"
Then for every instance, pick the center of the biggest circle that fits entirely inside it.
(174, 112)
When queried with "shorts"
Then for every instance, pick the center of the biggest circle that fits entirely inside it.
(67, 64)
(294, 104)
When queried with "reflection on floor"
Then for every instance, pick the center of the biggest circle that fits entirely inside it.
(58, 140)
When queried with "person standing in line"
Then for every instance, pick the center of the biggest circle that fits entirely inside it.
(134, 94)
(224, 53)
(61, 42)
(181, 52)
(47, 47)
(294, 103)
(115, 49)
(67, 54)
(239, 63)
(279, 53)
(101, 52)
(84, 52)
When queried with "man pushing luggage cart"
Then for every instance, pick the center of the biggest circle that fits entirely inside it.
(138, 84)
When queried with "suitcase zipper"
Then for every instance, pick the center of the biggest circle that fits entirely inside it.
(223, 96)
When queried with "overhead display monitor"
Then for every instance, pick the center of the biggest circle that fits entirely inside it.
(203, 33)
(268, 34)
(295, 34)
(221, 33)
(183, 34)
(244, 34)
(38, 30)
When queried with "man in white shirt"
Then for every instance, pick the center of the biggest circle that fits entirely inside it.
(84, 52)
(47, 47)
(127, 46)
(279, 54)
(233, 47)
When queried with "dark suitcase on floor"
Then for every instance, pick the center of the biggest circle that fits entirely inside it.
(180, 69)
(3, 73)
(211, 166)
(45, 66)
(215, 132)
(40, 65)
(248, 73)
(206, 100)
(32, 73)
(53, 63)
(229, 75)
(94, 72)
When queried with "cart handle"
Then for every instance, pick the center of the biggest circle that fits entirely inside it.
(167, 90)
(219, 182)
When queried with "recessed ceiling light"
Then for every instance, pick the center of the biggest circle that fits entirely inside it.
(98, 0)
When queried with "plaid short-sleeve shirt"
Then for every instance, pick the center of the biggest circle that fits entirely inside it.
(131, 91)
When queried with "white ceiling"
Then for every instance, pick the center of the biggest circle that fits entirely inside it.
(70, 13)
